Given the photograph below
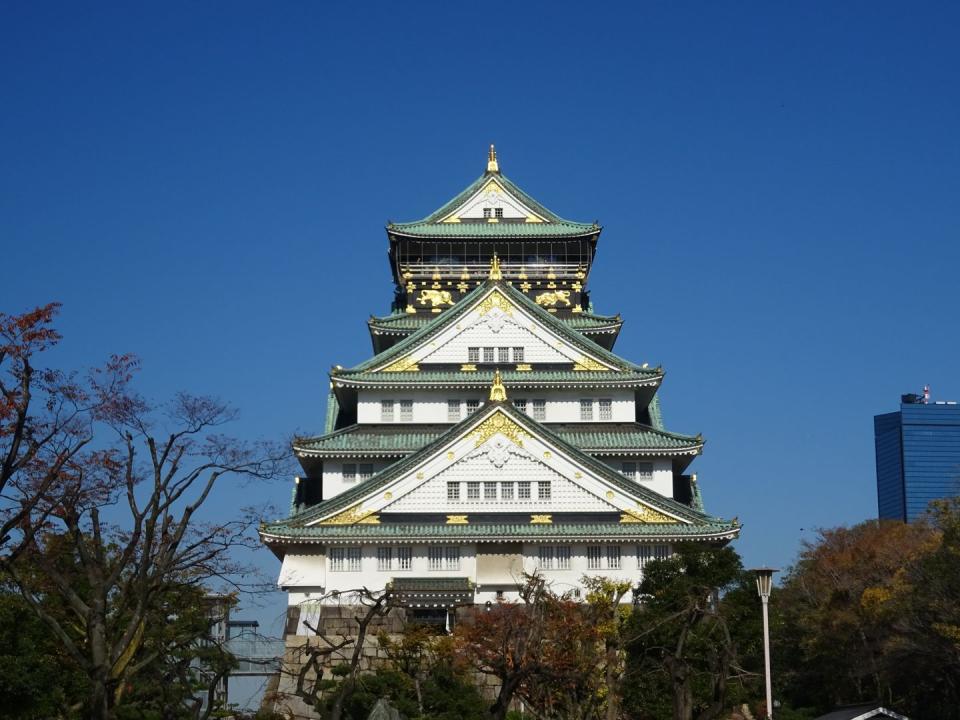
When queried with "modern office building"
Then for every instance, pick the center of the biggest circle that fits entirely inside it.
(918, 456)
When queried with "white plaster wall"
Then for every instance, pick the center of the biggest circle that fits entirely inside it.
(333, 482)
(662, 481)
(561, 580)
(565, 495)
(504, 331)
(563, 406)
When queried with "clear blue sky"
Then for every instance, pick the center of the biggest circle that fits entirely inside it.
(206, 185)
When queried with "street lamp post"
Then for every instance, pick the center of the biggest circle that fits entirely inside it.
(764, 586)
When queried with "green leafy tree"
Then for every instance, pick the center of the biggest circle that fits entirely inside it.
(682, 656)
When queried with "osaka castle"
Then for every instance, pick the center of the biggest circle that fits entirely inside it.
(493, 432)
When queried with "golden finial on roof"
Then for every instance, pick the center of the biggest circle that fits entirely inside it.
(495, 273)
(492, 165)
(498, 393)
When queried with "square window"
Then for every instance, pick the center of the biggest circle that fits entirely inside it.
(520, 404)
(473, 491)
(630, 470)
(473, 355)
(487, 211)
(518, 354)
(543, 490)
(364, 471)
(406, 411)
(539, 409)
(488, 354)
(472, 406)
(349, 472)
(498, 212)
(404, 557)
(489, 491)
(506, 491)
(586, 410)
(645, 471)
(435, 557)
(594, 555)
(606, 409)
(453, 491)
(386, 410)
(563, 557)
(384, 558)
(453, 410)
(503, 354)
(523, 490)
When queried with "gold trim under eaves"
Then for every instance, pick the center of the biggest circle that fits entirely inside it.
(541, 519)
(457, 520)
(353, 516)
(644, 514)
(589, 364)
(402, 365)
(499, 423)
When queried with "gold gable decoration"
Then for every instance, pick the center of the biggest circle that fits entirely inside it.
(498, 423)
(644, 514)
(497, 300)
(589, 364)
(354, 516)
(402, 365)
(498, 393)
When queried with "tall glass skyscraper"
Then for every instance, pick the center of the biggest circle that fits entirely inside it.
(918, 456)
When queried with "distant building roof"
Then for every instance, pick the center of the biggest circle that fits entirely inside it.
(863, 712)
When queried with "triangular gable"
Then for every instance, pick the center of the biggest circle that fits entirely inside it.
(499, 433)
(484, 313)
(494, 197)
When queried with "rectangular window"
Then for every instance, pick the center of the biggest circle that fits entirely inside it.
(648, 553)
(473, 491)
(543, 490)
(453, 491)
(406, 411)
(563, 557)
(594, 556)
(473, 355)
(546, 557)
(586, 410)
(349, 472)
(606, 409)
(503, 354)
(498, 212)
(364, 471)
(451, 558)
(518, 354)
(506, 491)
(384, 558)
(386, 410)
(539, 409)
(613, 557)
(472, 406)
(630, 470)
(488, 354)
(523, 490)
(489, 491)
(345, 559)
(404, 557)
(645, 471)
(453, 410)
(487, 211)
(435, 557)
(520, 404)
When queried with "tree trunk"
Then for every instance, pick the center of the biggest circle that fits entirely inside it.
(508, 687)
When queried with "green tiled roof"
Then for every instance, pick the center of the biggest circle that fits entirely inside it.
(632, 489)
(511, 378)
(597, 438)
(555, 226)
(709, 528)
(466, 305)
(399, 322)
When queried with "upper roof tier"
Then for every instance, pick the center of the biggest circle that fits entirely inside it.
(493, 207)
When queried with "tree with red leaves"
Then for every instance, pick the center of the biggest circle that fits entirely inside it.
(99, 500)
